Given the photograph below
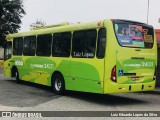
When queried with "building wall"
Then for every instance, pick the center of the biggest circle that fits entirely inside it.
(157, 34)
(158, 45)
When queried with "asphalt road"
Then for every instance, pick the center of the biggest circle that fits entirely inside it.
(32, 97)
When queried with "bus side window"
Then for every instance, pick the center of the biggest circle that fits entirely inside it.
(84, 44)
(90, 42)
(61, 44)
(32, 48)
(56, 48)
(26, 45)
(66, 44)
(44, 45)
(29, 45)
(101, 46)
(17, 46)
(77, 43)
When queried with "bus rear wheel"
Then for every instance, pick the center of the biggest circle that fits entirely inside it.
(58, 84)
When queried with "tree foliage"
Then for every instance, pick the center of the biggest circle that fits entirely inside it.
(11, 12)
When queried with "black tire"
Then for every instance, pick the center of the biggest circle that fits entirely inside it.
(17, 76)
(58, 84)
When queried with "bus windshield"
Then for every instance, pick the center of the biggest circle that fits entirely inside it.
(131, 34)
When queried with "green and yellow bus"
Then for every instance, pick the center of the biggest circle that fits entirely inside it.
(105, 56)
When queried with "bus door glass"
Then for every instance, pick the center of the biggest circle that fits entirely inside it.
(7, 56)
(7, 51)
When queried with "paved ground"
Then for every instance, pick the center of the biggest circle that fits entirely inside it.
(31, 97)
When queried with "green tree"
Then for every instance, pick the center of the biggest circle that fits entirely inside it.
(11, 12)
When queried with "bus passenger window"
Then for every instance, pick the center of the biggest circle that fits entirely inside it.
(29, 46)
(44, 45)
(32, 47)
(61, 44)
(26, 45)
(84, 44)
(17, 46)
(101, 46)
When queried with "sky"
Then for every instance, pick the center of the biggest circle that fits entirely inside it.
(73, 11)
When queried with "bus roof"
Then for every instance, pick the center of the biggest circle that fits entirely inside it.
(65, 26)
(61, 27)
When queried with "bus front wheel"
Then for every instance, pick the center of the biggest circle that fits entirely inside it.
(58, 84)
(17, 76)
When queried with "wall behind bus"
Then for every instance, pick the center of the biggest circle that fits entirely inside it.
(157, 34)
(158, 65)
